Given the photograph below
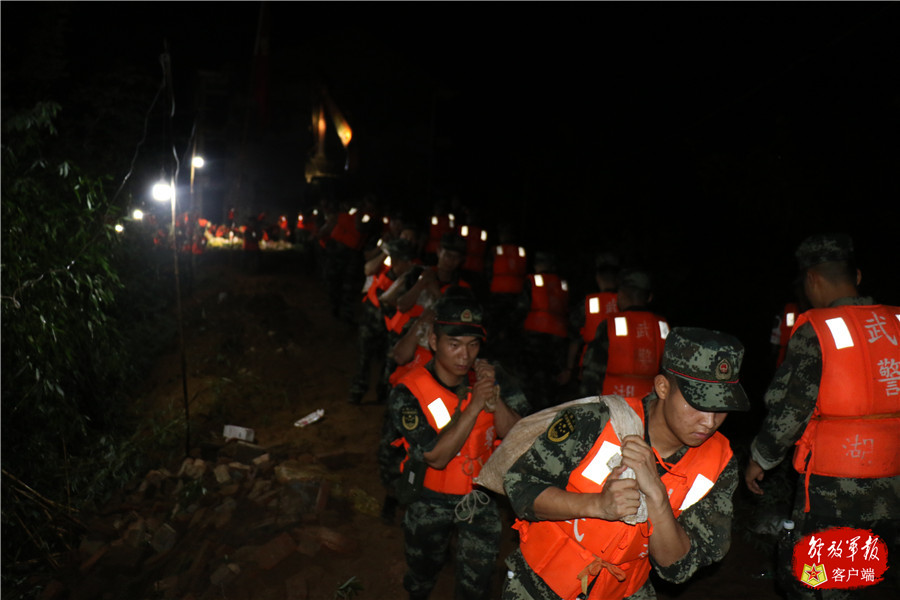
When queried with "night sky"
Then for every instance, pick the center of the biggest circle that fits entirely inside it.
(702, 141)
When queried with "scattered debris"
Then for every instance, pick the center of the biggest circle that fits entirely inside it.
(239, 433)
(274, 511)
(310, 418)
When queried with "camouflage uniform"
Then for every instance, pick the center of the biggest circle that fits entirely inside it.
(541, 358)
(372, 344)
(861, 503)
(708, 522)
(551, 463)
(593, 370)
(431, 519)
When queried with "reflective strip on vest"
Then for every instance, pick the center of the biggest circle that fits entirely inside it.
(698, 490)
(663, 329)
(840, 333)
(789, 319)
(439, 412)
(597, 471)
(594, 305)
(621, 324)
(538, 281)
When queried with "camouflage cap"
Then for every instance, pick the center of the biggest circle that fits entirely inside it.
(633, 278)
(401, 249)
(824, 247)
(458, 315)
(454, 242)
(707, 364)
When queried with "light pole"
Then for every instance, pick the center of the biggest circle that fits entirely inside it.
(162, 192)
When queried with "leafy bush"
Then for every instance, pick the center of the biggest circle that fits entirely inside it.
(70, 349)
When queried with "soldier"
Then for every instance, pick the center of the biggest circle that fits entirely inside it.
(346, 232)
(372, 333)
(545, 331)
(624, 357)
(431, 282)
(839, 382)
(476, 238)
(598, 305)
(450, 412)
(509, 270)
(580, 524)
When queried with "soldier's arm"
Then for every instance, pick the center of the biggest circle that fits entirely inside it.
(552, 457)
(405, 349)
(708, 526)
(374, 261)
(408, 299)
(790, 399)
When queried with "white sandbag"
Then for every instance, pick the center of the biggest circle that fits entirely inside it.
(624, 420)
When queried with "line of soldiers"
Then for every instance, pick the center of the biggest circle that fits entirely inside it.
(450, 404)
(382, 269)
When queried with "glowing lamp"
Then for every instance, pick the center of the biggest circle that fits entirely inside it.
(162, 192)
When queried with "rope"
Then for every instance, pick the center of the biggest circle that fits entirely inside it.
(465, 509)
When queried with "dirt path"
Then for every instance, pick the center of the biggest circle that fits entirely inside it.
(263, 350)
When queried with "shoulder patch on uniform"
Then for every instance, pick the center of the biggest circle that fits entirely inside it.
(561, 428)
(410, 418)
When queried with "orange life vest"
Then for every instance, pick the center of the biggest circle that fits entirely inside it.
(597, 307)
(510, 265)
(549, 305)
(476, 245)
(345, 231)
(782, 334)
(853, 429)
(636, 341)
(398, 321)
(380, 283)
(558, 551)
(439, 405)
(420, 359)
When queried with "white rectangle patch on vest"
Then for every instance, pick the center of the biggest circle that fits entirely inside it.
(698, 489)
(840, 333)
(594, 306)
(439, 412)
(538, 281)
(621, 324)
(598, 471)
(663, 329)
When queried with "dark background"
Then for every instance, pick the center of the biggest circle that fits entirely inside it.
(701, 141)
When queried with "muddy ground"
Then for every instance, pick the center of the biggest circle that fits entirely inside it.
(264, 350)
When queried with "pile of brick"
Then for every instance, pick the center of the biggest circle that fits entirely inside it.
(218, 522)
